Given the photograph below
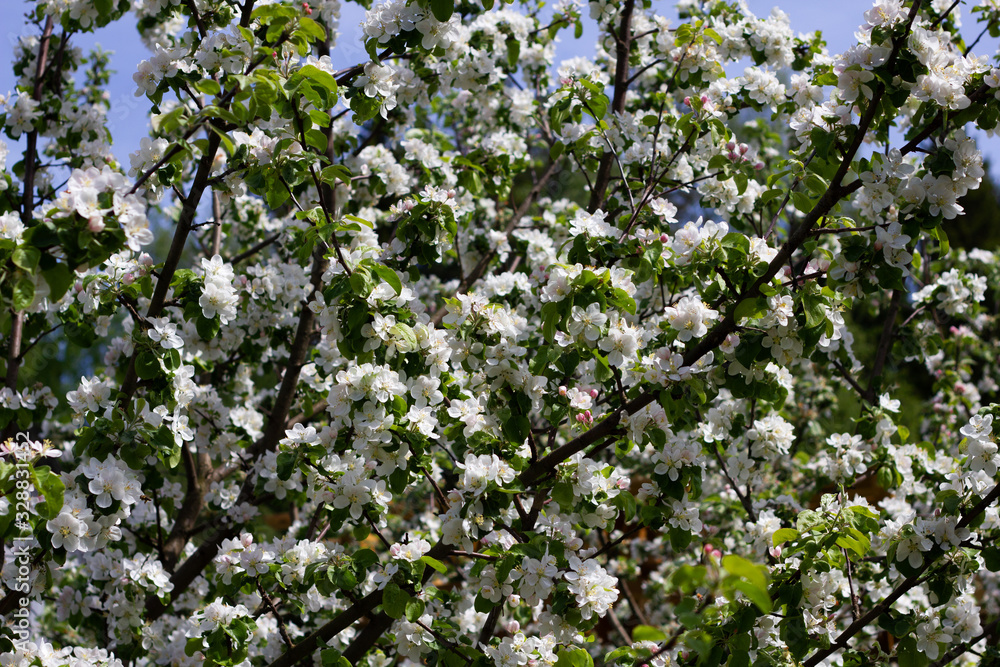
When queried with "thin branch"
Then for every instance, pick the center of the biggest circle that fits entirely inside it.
(274, 612)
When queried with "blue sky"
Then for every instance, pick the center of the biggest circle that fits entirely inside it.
(128, 125)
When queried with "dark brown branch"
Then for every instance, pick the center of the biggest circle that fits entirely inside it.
(187, 516)
(623, 47)
(27, 213)
(188, 211)
(884, 345)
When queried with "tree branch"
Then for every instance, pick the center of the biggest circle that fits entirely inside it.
(622, 49)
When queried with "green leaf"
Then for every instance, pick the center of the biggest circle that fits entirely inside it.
(442, 9)
(753, 580)
(388, 276)
(364, 558)
(313, 30)
(647, 633)
(750, 308)
(783, 535)
(625, 501)
(513, 51)
(855, 541)
(207, 328)
(801, 201)
(336, 171)
(286, 465)
(414, 609)
(992, 558)
(59, 278)
(147, 365)
(26, 257)
(516, 429)
(813, 306)
(435, 563)
(365, 108)
(394, 600)
(24, 293)
(562, 493)
(908, 655)
(208, 87)
(756, 595)
(482, 605)
(331, 657)
(51, 486)
(193, 645)
(574, 657)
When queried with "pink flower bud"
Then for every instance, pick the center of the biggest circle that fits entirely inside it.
(731, 146)
(775, 552)
(743, 149)
(708, 549)
(96, 224)
(78, 286)
(593, 393)
(758, 166)
(687, 101)
(562, 390)
(128, 278)
(664, 238)
(145, 260)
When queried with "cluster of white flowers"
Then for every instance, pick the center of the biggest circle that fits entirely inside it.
(956, 292)
(77, 528)
(595, 590)
(218, 296)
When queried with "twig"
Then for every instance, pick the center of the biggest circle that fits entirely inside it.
(274, 612)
